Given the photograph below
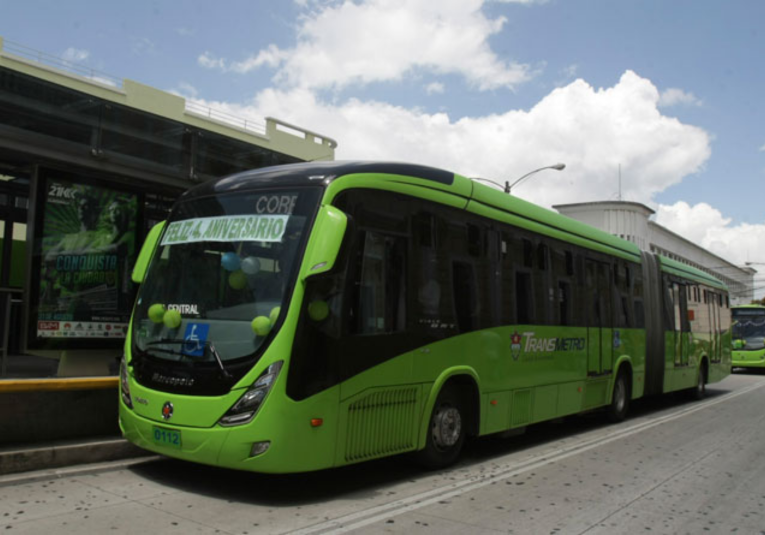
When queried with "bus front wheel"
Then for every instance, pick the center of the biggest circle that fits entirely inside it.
(446, 430)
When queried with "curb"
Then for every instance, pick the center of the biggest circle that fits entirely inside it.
(38, 457)
(24, 478)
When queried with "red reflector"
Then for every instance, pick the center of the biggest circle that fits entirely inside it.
(493, 402)
(317, 422)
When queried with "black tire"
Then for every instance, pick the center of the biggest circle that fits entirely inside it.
(620, 399)
(699, 391)
(446, 431)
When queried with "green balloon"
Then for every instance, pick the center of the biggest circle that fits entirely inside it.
(156, 312)
(274, 315)
(172, 319)
(261, 325)
(318, 310)
(237, 280)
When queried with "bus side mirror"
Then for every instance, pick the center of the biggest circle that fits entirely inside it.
(142, 263)
(326, 239)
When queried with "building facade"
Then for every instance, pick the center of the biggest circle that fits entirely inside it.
(631, 221)
(89, 163)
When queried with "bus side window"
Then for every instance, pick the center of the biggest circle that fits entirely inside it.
(563, 268)
(669, 305)
(465, 296)
(379, 304)
(637, 297)
(523, 264)
(507, 294)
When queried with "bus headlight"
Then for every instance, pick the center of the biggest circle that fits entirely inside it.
(125, 385)
(247, 406)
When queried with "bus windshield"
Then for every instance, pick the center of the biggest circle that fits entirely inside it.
(749, 326)
(222, 270)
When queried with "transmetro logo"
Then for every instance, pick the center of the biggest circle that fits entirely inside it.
(515, 345)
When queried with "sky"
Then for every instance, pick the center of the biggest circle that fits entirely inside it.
(653, 101)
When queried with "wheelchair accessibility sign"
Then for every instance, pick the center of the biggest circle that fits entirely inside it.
(195, 339)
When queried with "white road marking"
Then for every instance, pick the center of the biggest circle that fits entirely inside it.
(359, 519)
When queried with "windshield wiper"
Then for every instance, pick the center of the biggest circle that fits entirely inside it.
(181, 341)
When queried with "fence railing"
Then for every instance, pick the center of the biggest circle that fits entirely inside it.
(63, 64)
(257, 127)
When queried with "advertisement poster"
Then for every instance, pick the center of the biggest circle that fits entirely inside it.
(87, 255)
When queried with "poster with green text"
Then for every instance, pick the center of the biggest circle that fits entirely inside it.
(87, 254)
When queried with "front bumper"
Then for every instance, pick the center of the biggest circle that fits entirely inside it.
(743, 359)
(294, 445)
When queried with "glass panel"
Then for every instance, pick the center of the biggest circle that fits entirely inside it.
(381, 303)
(2, 244)
(220, 156)
(87, 252)
(44, 108)
(749, 326)
(143, 136)
(221, 274)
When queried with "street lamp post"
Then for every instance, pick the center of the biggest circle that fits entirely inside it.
(557, 167)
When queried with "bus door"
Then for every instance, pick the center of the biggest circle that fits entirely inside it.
(599, 317)
(682, 325)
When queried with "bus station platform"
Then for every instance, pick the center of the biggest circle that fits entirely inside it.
(59, 422)
(36, 457)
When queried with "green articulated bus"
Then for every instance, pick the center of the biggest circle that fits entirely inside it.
(315, 315)
(748, 336)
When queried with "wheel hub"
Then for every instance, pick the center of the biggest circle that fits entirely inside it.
(447, 427)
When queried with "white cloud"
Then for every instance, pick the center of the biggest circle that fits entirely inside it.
(674, 96)
(571, 70)
(591, 130)
(348, 43)
(706, 226)
(142, 45)
(209, 61)
(75, 55)
(185, 90)
(271, 57)
(594, 131)
(434, 88)
(762, 149)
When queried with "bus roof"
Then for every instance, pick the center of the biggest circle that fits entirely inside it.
(526, 213)
(686, 271)
(316, 173)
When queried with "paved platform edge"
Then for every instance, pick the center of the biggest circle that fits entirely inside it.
(63, 455)
(23, 478)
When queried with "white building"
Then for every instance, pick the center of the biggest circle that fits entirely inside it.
(631, 221)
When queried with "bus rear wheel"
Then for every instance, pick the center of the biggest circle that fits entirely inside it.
(446, 430)
(699, 392)
(620, 399)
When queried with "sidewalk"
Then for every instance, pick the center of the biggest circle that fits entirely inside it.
(15, 459)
